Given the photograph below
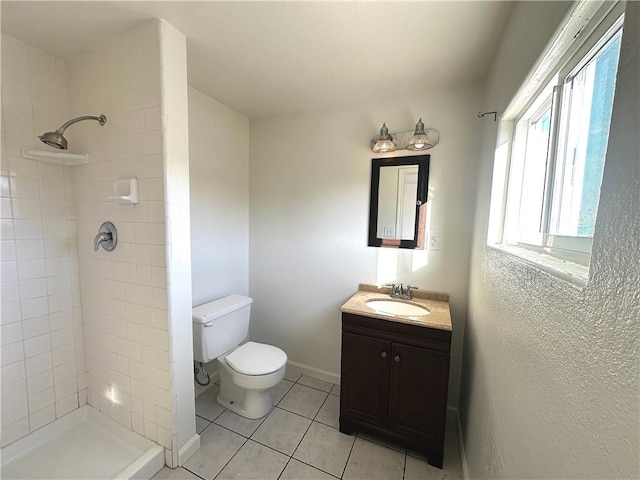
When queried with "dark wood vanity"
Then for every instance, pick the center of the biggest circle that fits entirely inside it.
(395, 374)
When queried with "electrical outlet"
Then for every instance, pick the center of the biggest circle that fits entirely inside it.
(434, 241)
(389, 232)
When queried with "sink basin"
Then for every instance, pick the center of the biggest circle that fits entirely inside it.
(391, 307)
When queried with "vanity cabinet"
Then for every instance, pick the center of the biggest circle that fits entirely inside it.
(394, 382)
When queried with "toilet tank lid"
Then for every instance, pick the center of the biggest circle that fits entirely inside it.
(212, 310)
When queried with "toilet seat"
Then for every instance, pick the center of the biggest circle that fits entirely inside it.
(254, 358)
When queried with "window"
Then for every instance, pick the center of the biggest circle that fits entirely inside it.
(557, 144)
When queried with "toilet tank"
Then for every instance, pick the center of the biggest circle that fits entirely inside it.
(220, 326)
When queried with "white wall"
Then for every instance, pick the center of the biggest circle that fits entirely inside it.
(310, 177)
(550, 377)
(219, 185)
(41, 323)
(175, 135)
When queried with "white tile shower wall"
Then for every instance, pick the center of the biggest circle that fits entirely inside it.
(42, 361)
(124, 292)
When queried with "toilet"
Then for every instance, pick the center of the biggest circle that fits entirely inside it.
(247, 371)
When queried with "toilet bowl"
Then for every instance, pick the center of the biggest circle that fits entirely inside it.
(247, 371)
(247, 374)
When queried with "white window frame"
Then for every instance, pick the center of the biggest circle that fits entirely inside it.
(565, 255)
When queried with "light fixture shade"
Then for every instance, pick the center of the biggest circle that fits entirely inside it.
(419, 140)
(385, 142)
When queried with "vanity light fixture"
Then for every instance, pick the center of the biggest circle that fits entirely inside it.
(385, 142)
(420, 139)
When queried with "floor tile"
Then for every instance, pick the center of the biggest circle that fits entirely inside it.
(282, 430)
(207, 406)
(305, 401)
(174, 474)
(418, 469)
(254, 461)
(370, 461)
(201, 424)
(384, 443)
(280, 390)
(329, 413)
(243, 426)
(325, 448)
(297, 470)
(335, 390)
(217, 446)
(293, 373)
(315, 383)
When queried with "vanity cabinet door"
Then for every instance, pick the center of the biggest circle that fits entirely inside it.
(419, 382)
(364, 393)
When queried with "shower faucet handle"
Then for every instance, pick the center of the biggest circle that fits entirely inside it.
(107, 237)
(100, 238)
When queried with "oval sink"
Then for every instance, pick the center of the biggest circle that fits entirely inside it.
(390, 307)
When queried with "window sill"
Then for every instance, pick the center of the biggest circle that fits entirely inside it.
(574, 274)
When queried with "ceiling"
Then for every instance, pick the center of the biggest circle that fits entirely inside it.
(270, 58)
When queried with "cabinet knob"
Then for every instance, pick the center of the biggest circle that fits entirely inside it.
(384, 354)
(396, 358)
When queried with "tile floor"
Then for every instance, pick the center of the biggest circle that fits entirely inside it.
(298, 440)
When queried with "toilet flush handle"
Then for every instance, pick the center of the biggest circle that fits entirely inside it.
(209, 324)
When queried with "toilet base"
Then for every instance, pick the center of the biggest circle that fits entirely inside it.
(253, 405)
(252, 399)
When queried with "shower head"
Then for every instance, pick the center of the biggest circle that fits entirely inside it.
(56, 139)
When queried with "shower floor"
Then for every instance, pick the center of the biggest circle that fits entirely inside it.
(82, 445)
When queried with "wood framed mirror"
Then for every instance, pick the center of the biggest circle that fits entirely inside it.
(397, 206)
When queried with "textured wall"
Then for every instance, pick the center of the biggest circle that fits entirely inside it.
(550, 374)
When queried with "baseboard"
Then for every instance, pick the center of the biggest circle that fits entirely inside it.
(452, 419)
(463, 457)
(316, 372)
(189, 448)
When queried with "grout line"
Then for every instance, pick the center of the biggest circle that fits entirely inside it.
(308, 418)
(229, 430)
(285, 394)
(192, 473)
(348, 457)
(301, 438)
(322, 405)
(233, 456)
(404, 465)
(313, 466)
(314, 388)
(285, 466)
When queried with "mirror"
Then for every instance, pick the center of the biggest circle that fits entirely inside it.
(397, 207)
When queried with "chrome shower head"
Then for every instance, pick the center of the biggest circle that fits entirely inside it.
(56, 139)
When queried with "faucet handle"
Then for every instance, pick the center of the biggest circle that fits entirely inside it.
(396, 289)
(407, 292)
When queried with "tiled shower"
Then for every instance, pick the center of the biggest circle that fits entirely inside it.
(80, 326)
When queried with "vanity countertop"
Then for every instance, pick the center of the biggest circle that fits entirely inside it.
(437, 303)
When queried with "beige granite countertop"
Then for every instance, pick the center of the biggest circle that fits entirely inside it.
(437, 303)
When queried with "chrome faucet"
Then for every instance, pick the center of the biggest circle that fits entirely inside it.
(101, 237)
(400, 291)
(107, 237)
